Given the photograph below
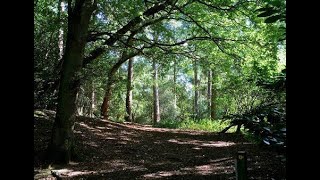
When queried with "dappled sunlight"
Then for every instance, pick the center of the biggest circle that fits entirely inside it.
(106, 132)
(217, 144)
(86, 126)
(103, 128)
(93, 144)
(110, 138)
(221, 160)
(162, 174)
(196, 148)
(162, 163)
(123, 165)
(211, 168)
(202, 170)
(116, 151)
(202, 143)
(68, 173)
(118, 163)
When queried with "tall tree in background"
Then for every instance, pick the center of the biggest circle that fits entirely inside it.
(129, 116)
(61, 146)
(92, 99)
(61, 10)
(213, 96)
(175, 87)
(196, 90)
(111, 82)
(156, 104)
(209, 87)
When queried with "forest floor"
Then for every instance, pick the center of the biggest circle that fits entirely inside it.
(109, 150)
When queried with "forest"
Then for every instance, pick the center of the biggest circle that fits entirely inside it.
(160, 89)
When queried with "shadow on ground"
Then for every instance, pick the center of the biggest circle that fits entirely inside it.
(109, 150)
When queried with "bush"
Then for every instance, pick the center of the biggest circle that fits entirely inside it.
(266, 122)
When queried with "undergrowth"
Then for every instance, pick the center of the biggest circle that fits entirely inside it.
(202, 125)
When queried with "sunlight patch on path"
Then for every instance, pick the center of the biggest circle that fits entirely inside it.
(218, 166)
(122, 165)
(64, 173)
(162, 174)
(203, 143)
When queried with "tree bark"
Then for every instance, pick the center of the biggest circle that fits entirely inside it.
(156, 106)
(196, 91)
(93, 99)
(209, 94)
(175, 87)
(129, 91)
(107, 97)
(61, 10)
(213, 99)
(61, 145)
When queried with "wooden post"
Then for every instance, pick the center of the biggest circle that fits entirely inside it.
(241, 166)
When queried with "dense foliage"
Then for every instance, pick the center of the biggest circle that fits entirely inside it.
(221, 59)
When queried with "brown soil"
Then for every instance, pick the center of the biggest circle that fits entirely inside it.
(109, 150)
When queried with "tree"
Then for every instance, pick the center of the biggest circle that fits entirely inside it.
(196, 90)
(46, 52)
(61, 147)
(175, 86)
(129, 91)
(111, 82)
(61, 10)
(213, 94)
(156, 104)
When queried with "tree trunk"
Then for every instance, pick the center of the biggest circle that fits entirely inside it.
(93, 100)
(156, 106)
(196, 91)
(107, 97)
(175, 87)
(61, 10)
(209, 93)
(61, 145)
(129, 91)
(108, 93)
(213, 99)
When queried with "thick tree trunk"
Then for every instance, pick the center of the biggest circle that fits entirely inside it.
(129, 92)
(156, 106)
(213, 97)
(196, 91)
(61, 145)
(108, 94)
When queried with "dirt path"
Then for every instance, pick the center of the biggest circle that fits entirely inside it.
(111, 150)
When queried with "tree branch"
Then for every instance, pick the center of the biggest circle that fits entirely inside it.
(229, 8)
(131, 24)
(128, 27)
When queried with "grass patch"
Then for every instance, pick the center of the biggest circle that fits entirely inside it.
(202, 125)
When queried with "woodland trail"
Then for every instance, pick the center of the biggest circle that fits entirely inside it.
(110, 150)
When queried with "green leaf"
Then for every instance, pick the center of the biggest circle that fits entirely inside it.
(265, 9)
(267, 13)
(276, 3)
(272, 19)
